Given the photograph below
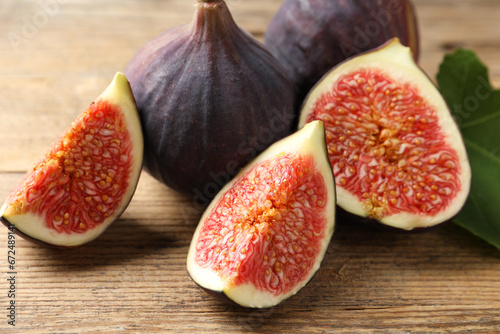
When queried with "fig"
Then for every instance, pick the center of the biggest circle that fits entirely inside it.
(211, 97)
(86, 179)
(265, 234)
(396, 151)
(309, 37)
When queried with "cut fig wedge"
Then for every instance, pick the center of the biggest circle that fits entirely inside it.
(86, 180)
(395, 149)
(265, 234)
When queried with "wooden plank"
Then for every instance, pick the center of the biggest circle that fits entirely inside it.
(133, 278)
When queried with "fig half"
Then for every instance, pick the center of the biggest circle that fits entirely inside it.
(87, 178)
(395, 148)
(265, 234)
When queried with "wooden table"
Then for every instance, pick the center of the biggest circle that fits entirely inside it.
(133, 278)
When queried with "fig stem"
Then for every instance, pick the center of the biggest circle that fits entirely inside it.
(210, 3)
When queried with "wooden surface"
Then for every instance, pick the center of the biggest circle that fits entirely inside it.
(133, 278)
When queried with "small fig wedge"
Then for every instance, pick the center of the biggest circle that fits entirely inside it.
(87, 178)
(396, 151)
(265, 234)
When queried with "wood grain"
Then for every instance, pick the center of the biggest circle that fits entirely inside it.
(133, 278)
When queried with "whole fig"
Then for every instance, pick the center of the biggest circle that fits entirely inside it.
(310, 37)
(211, 97)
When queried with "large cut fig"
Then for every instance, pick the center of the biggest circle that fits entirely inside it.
(309, 37)
(211, 97)
(396, 151)
(86, 180)
(264, 235)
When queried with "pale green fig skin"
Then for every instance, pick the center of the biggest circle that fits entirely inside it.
(397, 60)
(211, 97)
(311, 141)
(32, 227)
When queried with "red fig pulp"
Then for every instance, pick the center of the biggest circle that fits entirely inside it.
(265, 234)
(86, 180)
(395, 149)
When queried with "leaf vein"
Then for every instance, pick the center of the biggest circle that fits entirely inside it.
(479, 208)
(482, 151)
(480, 121)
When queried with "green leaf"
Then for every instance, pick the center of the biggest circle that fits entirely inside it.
(463, 80)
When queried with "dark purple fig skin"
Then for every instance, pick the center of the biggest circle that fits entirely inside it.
(310, 37)
(211, 97)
